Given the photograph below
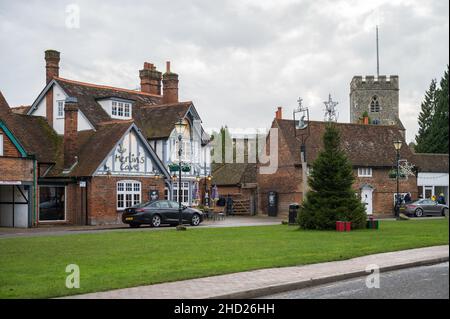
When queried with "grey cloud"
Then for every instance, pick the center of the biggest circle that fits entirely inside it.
(237, 60)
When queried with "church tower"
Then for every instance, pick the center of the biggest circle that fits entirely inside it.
(378, 96)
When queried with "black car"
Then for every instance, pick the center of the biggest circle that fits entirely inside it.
(160, 212)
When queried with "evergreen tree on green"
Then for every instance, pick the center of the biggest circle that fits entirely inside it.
(438, 138)
(433, 120)
(428, 107)
(331, 197)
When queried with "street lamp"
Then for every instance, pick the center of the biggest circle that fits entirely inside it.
(180, 127)
(207, 179)
(397, 146)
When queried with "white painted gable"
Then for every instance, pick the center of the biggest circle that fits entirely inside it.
(129, 157)
(58, 121)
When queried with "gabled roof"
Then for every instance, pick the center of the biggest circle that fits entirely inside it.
(95, 146)
(23, 109)
(88, 94)
(227, 174)
(365, 145)
(158, 121)
(431, 163)
(33, 133)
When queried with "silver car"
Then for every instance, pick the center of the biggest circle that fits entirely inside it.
(424, 207)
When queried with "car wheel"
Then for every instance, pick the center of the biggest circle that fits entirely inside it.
(134, 225)
(418, 212)
(156, 221)
(195, 221)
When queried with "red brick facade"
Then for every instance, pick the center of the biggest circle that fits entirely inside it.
(102, 193)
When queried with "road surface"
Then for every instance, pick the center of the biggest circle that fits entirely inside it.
(427, 282)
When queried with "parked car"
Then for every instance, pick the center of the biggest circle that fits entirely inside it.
(423, 207)
(156, 213)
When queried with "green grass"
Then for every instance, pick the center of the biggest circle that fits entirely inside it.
(34, 267)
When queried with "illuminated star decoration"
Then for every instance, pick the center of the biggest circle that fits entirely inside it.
(406, 169)
(331, 114)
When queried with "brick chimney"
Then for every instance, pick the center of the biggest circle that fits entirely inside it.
(150, 79)
(51, 64)
(279, 113)
(70, 131)
(51, 70)
(170, 86)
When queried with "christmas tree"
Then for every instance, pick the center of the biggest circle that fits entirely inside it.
(331, 197)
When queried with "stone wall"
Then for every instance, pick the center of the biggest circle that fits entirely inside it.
(362, 90)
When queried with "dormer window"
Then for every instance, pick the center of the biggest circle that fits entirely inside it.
(374, 105)
(120, 109)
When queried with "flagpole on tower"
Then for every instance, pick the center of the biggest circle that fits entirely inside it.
(378, 56)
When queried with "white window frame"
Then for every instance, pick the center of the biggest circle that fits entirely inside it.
(128, 193)
(114, 108)
(185, 193)
(1, 144)
(60, 109)
(121, 109)
(364, 171)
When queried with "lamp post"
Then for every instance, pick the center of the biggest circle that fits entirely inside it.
(180, 127)
(397, 146)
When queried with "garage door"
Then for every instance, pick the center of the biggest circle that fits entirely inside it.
(14, 206)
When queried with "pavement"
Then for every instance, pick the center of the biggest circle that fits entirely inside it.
(426, 282)
(50, 230)
(262, 282)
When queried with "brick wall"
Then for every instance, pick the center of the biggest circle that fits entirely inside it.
(16, 169)
(9, 149)
(102, 195)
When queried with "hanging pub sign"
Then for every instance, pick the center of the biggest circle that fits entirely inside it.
(154, 195)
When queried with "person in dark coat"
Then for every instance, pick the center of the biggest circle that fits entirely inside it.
(441, 199)
(407, 198)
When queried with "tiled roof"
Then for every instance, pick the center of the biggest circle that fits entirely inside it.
(23, 109)
(88, 94)
(233, 173)
(158, 121)
(95, 146)
(33, 133)
(365, 145)
(432, 163)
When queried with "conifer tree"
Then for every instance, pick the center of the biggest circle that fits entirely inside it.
(331, 197)
(425, 118)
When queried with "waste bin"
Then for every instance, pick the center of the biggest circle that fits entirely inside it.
(293, 212)
(272, 203)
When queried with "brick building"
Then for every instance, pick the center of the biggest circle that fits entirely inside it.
(370, 150)
(107, 148)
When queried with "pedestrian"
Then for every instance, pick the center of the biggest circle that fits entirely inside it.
(433, 198)
(407, 198)
(441, 199)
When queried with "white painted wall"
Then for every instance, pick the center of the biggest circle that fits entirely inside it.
(6, 210)
(131, 144)
(41, 109)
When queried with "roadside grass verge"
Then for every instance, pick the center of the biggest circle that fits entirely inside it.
(34, 267)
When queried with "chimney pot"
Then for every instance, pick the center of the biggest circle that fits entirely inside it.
(52, 58)
(279, 113)
(150, 79)
(170, 86)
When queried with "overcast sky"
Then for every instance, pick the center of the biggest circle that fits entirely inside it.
(236, 60)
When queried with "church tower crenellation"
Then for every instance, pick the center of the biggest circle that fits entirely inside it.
(378, 96)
